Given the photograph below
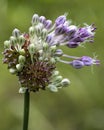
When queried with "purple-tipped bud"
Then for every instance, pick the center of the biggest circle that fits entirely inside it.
(59, 29)
(49, 38)
(42, 19)
(59, 52)
(78, 39)
(71, 29)
(77, 64)
(73, 44)
(60, 20)
(48, 24)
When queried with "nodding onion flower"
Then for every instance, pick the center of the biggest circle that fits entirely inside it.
(33, 56)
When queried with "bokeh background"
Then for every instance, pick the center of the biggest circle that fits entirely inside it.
(78, 107)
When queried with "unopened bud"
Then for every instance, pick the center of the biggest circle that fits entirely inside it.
(40, 58)
(55, 73)
(53, 88)
(12, 70)
(35, 19)
(31, 48)
(52, 60)
(22, 51)
(19, 67)
(44, 33)
(42, 19)
(13, 40)
(65, 82)
(45, 46)
(7, 44)
(40, 52)
(16, 32)
(58, 78)
(53, 48)
(59, 52)
(77, 64)
(38, 30)
(21, 39)
(21, 59)
(31, 31)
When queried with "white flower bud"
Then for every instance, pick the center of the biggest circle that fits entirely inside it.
(44, 33)
(12, 70)
(19, 67)
(55, 73)
(40, 58)
(31, 31)
(45, 46)
(35, 19)
(40, 52)
(16, 32)
(7, 44)
(52, 60)
(21, 59)
(58, 78)
(53, 48)
(65, 82)
(13, 40)
(22, 51)
(38, 30)
(31, 49)
(21, 39)
(58, 52)
(53, 88)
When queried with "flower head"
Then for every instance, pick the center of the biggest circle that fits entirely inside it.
(33, 56)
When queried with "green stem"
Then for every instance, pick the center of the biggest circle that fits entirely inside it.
(26, 110)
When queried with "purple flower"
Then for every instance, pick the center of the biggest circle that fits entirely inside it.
(88, 61)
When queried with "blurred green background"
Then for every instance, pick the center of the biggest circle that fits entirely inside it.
(78, 107)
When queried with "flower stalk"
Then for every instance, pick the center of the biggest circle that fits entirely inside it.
(26, 110)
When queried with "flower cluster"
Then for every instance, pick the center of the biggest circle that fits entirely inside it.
(33, 56)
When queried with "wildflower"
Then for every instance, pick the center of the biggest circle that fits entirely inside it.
(33, 56)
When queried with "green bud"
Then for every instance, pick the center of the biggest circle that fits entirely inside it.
(16, 32)
(40, 52)
(53, 48)
(22, 52)
(44, 33)
(40, 58)
(21, 59)
(55, 73)
(7, 44)
(21, 39)
(31, 49)
(12, 70)
(31, 31)
(13, 40)
(45, 46)
(58, 79)
(52, 60)
(65, 82)
(57, 58)
(38, 30)
(19, 67)
(53, 88)
(35, 19)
